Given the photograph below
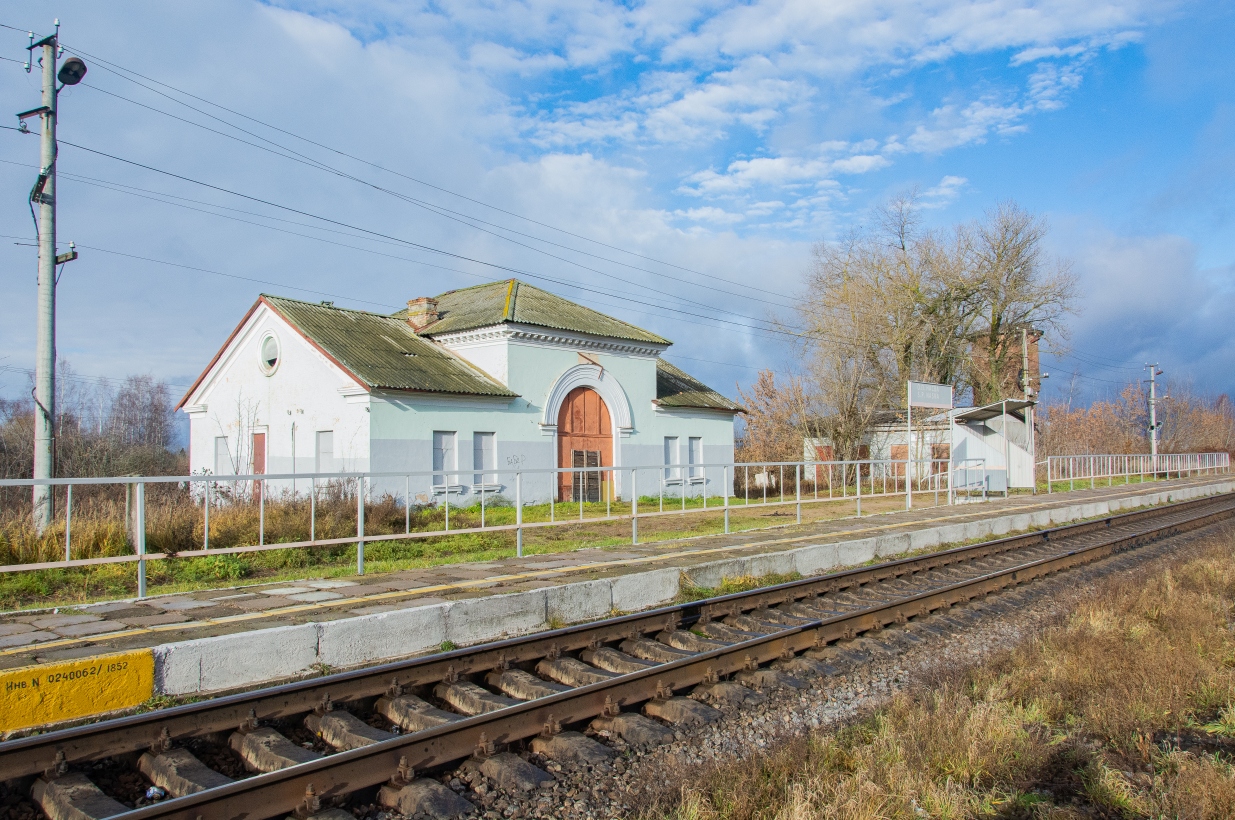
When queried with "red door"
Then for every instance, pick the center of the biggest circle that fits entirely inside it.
(259, 460)
(584, 439)
(899, 455)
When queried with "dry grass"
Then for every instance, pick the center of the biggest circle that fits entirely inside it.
(1127, 710)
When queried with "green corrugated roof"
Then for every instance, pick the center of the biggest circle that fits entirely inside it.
(384, 352)
(515, 301)
(676, 388)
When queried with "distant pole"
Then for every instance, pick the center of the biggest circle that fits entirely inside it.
(908, 445)
(1154, 372)
(1027, 390)
(44, 193)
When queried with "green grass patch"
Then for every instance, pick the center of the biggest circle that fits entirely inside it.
(688, 592)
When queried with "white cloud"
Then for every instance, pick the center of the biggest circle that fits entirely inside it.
(710, 214)
(948, 189)
(764, 208)
(860, 164)
(951, 126)
(1050, 82)
(710, 133)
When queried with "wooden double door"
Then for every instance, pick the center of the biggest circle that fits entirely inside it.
(584, 439)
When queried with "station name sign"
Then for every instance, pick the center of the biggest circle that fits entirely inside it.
(925, 394)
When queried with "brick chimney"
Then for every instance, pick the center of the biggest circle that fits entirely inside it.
(421, 312)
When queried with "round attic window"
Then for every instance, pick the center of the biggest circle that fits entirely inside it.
(270, 354)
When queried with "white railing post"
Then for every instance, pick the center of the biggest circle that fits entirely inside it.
(797, 480)
(141, 539)
(68, 524)
(908, 483)
(206, 518)
(634, 506)
(519, 514)
(857, 468)
(360, 526)
(727, 490)
(261, 512)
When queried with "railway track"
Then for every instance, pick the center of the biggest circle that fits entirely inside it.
(303, 747)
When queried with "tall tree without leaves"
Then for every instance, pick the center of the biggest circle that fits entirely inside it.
(891, 302)
(1017, 286)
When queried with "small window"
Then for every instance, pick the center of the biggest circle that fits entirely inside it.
(222, 457)
(270, 354)
(672, 458)
(324, 458)
(484, 457)
(445, 457)
(695, 456)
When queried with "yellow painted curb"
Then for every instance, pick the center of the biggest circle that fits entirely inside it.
(52, 692)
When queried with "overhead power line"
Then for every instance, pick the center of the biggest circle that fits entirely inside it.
(197, 269)
(430, 249)
(210, 271)
(455, 216)
(103, 381)
(129, 74)
(466, 219)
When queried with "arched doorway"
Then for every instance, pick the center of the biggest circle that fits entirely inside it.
(584, 439)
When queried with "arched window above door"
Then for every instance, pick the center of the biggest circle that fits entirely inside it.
(595, 377)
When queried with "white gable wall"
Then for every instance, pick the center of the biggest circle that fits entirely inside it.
(237, 399)
(486, 348)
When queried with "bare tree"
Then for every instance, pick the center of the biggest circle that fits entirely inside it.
(1018, 286)
(886, 304)
(775, 420)
(1119, 423)
(239, 429)
(891, 302)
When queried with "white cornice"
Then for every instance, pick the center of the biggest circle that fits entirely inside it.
(478, 335)
(548, 337)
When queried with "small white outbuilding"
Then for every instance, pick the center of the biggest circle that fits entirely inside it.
(994, 441)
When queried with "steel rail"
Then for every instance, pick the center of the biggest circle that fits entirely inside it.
(347, 771)
(31, 755)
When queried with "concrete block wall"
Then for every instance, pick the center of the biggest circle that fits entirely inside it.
(259, 656)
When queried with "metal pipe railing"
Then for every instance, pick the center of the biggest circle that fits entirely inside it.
(593, 489)
(1092, 467)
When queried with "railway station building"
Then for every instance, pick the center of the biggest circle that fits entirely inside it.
(471, 385)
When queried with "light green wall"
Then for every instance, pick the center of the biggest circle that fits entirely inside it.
(402, 426)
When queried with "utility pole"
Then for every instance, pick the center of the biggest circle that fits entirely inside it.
(1154, 372)
(1027, 390)
(1025, 386)
(44, 193)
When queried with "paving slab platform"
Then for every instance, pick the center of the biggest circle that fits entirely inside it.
(91, 659)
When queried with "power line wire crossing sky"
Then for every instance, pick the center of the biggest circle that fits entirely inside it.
(670, 164)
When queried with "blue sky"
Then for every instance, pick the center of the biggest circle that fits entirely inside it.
(707, 145)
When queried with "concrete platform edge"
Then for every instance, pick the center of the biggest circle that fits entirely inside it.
(233, 661)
